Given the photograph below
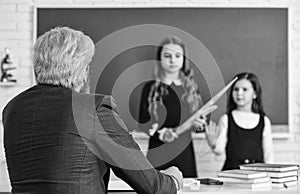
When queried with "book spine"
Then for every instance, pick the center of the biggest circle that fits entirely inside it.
(233, 176)
(261, 169)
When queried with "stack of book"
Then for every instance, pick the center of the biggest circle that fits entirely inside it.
(281, 175)
(245, 179)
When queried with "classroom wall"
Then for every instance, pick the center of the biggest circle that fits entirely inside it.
(16, 32)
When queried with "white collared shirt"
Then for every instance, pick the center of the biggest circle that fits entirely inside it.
(167, 81)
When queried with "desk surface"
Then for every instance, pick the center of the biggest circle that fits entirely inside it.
(116, 186)
(189, 187)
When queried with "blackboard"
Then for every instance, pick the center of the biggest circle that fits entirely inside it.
(233, 39)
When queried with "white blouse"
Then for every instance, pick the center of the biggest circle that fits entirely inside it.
(246, 120)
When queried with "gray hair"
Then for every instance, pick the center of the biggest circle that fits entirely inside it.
(61, 56)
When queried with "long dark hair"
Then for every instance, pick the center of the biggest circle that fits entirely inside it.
(257, 105)
(158, 90)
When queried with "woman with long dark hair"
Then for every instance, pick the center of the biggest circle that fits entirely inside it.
(167, 101)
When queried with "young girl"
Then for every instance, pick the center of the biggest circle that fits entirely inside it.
(166, 102)
(244, 133)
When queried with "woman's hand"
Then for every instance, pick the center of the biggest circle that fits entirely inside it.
(167, 135)
(200, 124)
(212, 133)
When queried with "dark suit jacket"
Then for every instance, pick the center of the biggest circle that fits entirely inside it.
(60, 141)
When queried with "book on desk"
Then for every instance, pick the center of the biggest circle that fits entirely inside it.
(265, 167)
(284, 184)
(281, 175)
(245, 179)
(250, 185)
(237, 173)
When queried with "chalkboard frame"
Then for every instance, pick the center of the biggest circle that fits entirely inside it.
(281, 131)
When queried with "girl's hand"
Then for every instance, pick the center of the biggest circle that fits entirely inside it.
(167, 135)
(200, 124)
(212, 133)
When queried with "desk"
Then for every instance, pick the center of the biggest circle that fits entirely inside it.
(118, 186)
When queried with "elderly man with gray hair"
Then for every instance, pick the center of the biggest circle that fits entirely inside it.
(58, 138)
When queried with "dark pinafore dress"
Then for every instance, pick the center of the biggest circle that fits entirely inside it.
(171, 113)
(243, 145)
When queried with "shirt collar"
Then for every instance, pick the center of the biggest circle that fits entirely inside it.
(177, 82)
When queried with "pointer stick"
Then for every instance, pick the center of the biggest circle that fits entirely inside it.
(204, 110)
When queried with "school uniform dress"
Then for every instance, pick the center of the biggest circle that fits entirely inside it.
(243, 145)
(171, 113)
